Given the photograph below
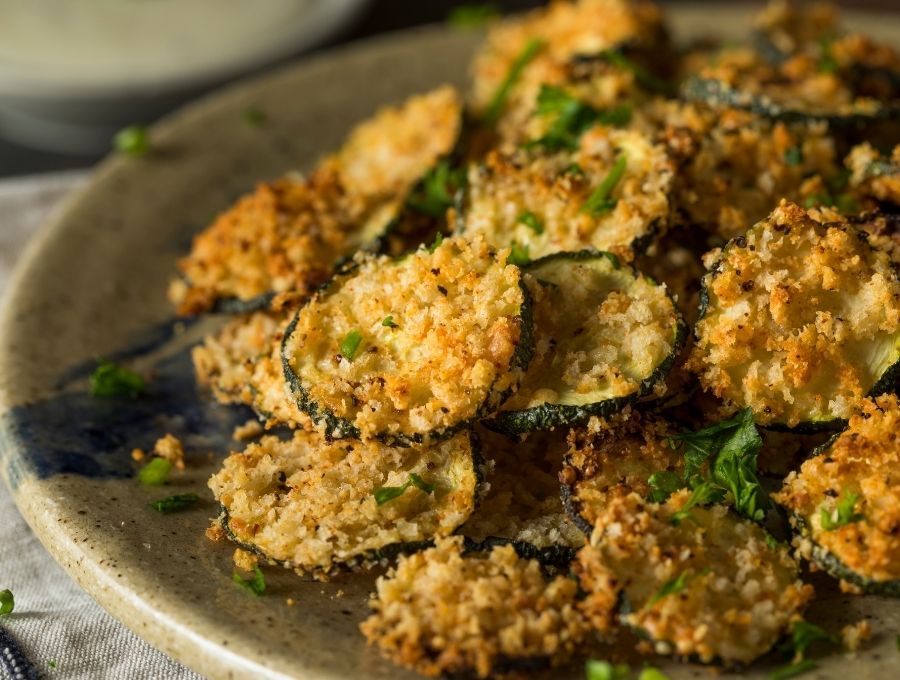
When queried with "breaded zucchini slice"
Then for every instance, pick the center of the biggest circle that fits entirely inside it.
(522, 505)
(784, 28)
(611, 459)
(846, 81)
(563, 30)
(610, 194)
(799, 321)
(712, 587)
(845, 501)
(874, 174)
(605, 335)
(445, 612)
(411, 349)
(313, 505)
(288, 234)
(241, 364)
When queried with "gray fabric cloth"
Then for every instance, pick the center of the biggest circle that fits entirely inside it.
(58, 627)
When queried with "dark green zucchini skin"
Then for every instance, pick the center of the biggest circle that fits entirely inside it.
(573, 510)
(549, 416)
(340, 428)
(717, 94)
(554, 556)
(832, 565)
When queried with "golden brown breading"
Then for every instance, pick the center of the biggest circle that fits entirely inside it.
(874, 174)
(440, 612)
(864, 460)
(709, 586)
(803, 320)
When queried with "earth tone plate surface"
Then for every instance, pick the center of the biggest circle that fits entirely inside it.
(93, 284)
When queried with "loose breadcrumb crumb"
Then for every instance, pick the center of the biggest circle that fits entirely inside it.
(170, 448)
(856, 635)
(249, 430)
(244, 560)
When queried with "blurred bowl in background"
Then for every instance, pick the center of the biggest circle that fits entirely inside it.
(74, 73)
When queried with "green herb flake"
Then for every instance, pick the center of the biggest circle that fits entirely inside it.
(350, 344)
(255, 585)
(792, 670)
(498, 102)
(472, 16)
(132, 140)
(827, 62)
(155, 472)
(570, 118)
(253, 117)
(7, 602)
(604, 670)
(52, 664)
(794, 155)
(643, 77)
(111, 380)
(663, 484)
(438, 240)
(175, 503)
(532, 221)
(388, 321)
(383, 494)
(703, 494)
(600, 202)
(803, 636)
(651, 673)
(434, 193)
(842, 514)
(670, 587)
(518, 254)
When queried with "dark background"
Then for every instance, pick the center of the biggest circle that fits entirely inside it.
(381, 16)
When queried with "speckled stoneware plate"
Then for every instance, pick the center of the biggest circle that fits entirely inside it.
(93, 284)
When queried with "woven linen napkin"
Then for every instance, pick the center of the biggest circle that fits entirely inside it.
(56, 630)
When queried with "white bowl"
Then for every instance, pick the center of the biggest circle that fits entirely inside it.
(73, 73)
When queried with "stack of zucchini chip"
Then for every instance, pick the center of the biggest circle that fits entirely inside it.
(539, 365)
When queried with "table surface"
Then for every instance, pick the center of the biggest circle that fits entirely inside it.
(380, 17)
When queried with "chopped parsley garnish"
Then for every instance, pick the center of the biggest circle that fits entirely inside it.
(255, 585)
(573, 169)
(518, 254)
(438, 240)
(175, 503)
(498, 102)
(827, 62)
(842, 514)
(253, 117)
(703, 494)
(670, 587)
(7, 602)
(663, 484)
(383, 494)
(732, 446)
(571, 118)
(604, 670)
(132, 140)
(600, 202)
(155, 472)
(434, 193)
(111, 380)
(388, 321)
(52, 664)
(350, 344)
(643, 77)
(532, 221)
(651, 673)
(803, 635)
(473, 16)
(792, 670)
(844, 202)
(794, 155)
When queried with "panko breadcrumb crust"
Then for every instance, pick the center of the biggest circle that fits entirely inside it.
(442, 612)
(458, 340)
(863, 460)
(739, 594)
(801, 320)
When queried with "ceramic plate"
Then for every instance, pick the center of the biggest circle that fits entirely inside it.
(93, 284)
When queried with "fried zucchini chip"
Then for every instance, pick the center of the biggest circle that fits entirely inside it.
(710, 586)
(443, 612)
(315, 506)
(800, 321)
(845, 501)
(411, 349)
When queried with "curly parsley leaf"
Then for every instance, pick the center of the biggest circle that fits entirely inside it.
(112, 380)
(435, 192)
(600, 202)
(175, 503)
(843, 512)
(7, 602)
(255, 585)
(498, 102)
(383, 494)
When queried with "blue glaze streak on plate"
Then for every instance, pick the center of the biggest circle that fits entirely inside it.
(74, 433)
